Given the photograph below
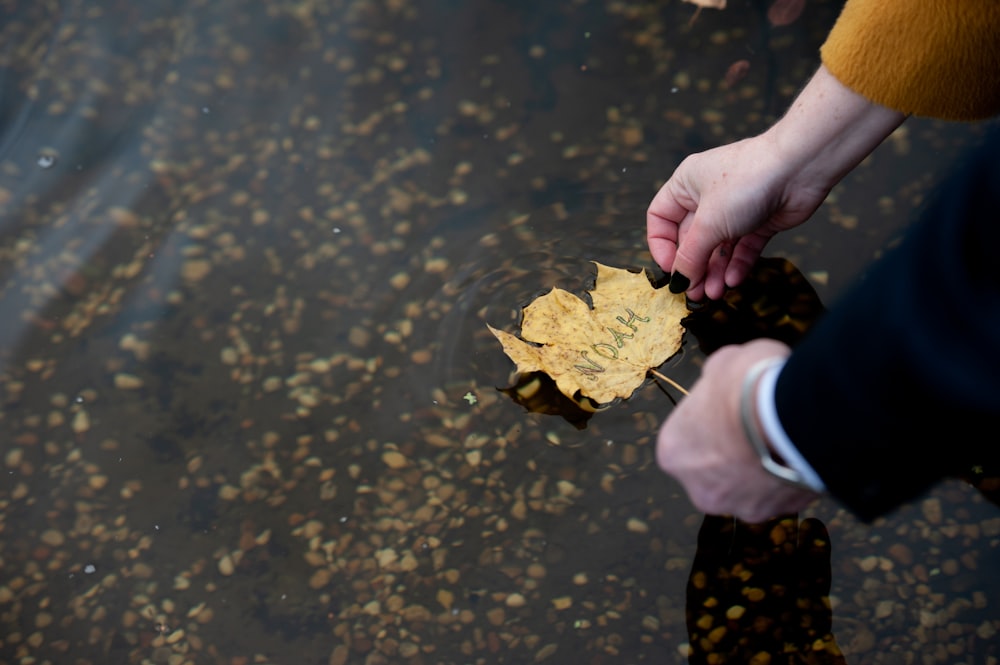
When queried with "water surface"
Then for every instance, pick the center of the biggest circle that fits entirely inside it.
(249, 400)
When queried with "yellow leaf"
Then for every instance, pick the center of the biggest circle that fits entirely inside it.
(603, 352)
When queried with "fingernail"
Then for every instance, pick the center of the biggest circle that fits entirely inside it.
(678, 283)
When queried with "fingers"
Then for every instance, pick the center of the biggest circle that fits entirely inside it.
(700, 261)
(744, 256)
(664, 218)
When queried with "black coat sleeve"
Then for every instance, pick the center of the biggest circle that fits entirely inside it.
(898, 386)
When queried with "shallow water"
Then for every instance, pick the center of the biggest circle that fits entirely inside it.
(247, 256)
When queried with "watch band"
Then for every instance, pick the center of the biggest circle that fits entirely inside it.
(750, 428)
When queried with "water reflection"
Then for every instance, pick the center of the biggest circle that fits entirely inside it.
(760, 592)
(247, 254)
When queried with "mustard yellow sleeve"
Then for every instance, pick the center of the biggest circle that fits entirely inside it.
(937, 58)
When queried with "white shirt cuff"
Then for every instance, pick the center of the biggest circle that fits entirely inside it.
(767, 415)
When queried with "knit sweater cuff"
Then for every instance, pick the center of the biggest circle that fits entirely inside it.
(936, 58)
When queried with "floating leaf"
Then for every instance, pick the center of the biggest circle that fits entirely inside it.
(603, 351)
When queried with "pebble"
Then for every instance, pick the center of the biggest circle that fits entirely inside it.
(339, 655)
(52, 538)
(931, 509)
(900, 553)
(735, 612)
(515, 600)
(394, 459)
(446, 598)
(81, 422)
(195, 270)
(636, 525)
(319, 579)
(868, 563)
(127, 381)
(546, 651)
(562, 602)
(226, 565)
(884, 608)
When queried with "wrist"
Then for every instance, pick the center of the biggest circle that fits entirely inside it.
(778, 456)
(828, 130)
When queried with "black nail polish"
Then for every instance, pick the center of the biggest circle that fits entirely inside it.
(678, 283)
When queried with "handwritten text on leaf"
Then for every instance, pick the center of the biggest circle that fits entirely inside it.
(603, 352)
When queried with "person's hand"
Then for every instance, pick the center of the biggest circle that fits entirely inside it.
(702, 443)
(708, 224)
(758, 591)
(719, 209)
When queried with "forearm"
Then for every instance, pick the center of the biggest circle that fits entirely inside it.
(828, 130)
(895, 387)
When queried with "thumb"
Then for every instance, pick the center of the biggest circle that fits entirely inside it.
(694, 250)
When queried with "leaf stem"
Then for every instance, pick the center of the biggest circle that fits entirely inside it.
(667, 379)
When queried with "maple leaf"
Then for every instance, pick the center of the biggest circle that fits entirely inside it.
(604, 351)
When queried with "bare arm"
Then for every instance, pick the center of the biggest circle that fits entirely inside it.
(709, 223)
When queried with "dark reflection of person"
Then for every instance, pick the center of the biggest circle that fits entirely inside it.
(898, 385)
(758, 594)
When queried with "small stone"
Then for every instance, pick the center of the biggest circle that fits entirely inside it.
(546, 651)
(562, 602)
(195, 270)
(931, 509)
(14, 457)
(436, 265)
(884, 608)
(394, 459)
(446, 598)
(515, 600)
(868, 563)
(986, 630)
(386, 556)
(81, 422)
(125, 381)
(53, 538)
(319, 579)
(636, 525)
(123, 217)
(399, 281)
(421, 357)
(226, 565)
(901, 554)
(339, 655)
